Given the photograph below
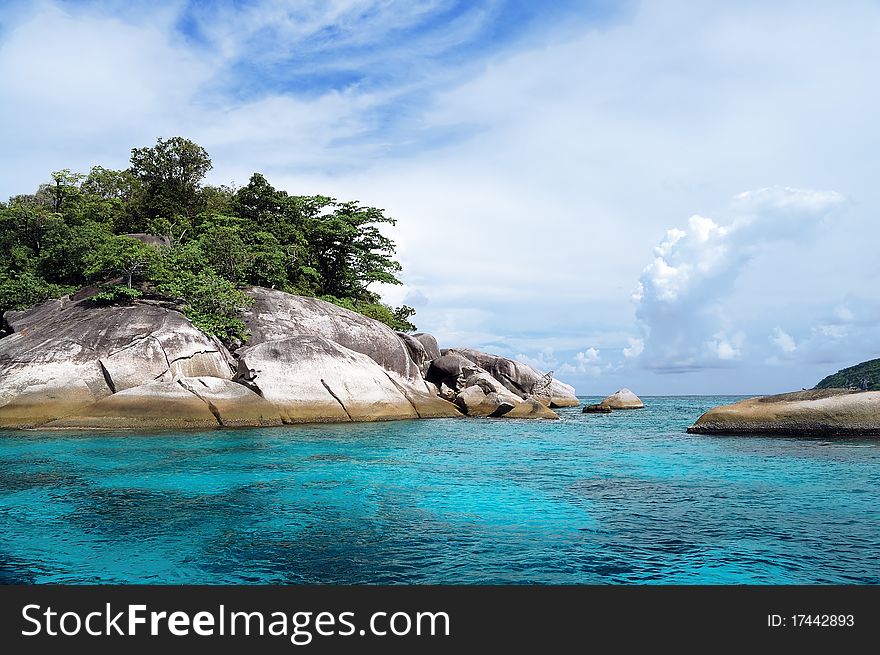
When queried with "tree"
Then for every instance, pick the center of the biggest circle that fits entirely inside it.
(170, 172)
(67, 251)
(348, 249)
(112, 198)
(225, 250)
(27, 290)
(123, 255)
(66, 186)
(74, 229)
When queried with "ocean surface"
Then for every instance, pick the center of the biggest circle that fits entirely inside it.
(622, 498)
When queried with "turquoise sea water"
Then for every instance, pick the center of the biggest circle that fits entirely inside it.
(622, 498)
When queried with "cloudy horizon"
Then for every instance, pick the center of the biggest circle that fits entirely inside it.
(677, 199)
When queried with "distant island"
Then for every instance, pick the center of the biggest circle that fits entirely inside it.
(143, 299)
(864, 376)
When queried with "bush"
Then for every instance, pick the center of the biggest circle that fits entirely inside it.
(212, 303)
(116, 294)
(396, 319)
(27, 290)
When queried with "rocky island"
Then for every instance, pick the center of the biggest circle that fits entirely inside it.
(143, 298)
(70, 363)
(814, 412)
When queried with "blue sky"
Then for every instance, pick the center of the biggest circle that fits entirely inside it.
(677, 197)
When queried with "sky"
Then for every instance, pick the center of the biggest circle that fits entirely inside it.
(675, 197)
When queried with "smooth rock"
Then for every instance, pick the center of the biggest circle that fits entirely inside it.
(151, 239)
(623, 399)
(429, 343)
(448, 368)
(531, 408)
(65, 355)
(817, 412)
(233, 405)
(276, 315)
(476, 402)
(158, 405)
(416, 351)
(496, 400)
(598, 408)
(312, 379)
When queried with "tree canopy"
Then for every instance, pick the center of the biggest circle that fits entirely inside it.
(100, 228)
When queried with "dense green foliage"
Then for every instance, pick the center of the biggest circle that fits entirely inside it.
(861, 376)
(208, 241)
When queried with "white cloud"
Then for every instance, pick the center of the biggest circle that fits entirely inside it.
(783, 341)
(682, 292)
(589, 356)
(634, 349)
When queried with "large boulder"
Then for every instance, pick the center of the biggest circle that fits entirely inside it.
(200, 402)
(623, 399)
(233, 405)
(531, 408)
(310, 379)
(157, 405)
(416, 351)
(66, 355)
(818, 412)
(474, 401)
(429, 343)
(518, 377)
(450, 369)
(151, 239)
(278, 315)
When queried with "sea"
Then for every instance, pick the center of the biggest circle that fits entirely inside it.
(622, 498)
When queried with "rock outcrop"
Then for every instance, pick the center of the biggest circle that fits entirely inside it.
(66, 355)
(483, 395)
(311, 380)
(72, 364)
(825, 412)
(622, 399)
(518, 377)
(429, 343)
(156, 405)
(416, 351)
(277, 315)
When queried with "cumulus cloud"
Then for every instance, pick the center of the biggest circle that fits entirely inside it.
(681, 294)
(586, 362)
(634, 349)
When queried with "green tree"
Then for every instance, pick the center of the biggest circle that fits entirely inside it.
(125, 256)
(224, 248)
(26, 290)
(110, 197)
(65, 187)
(68, 250)
(348, 249)
(170, 173)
